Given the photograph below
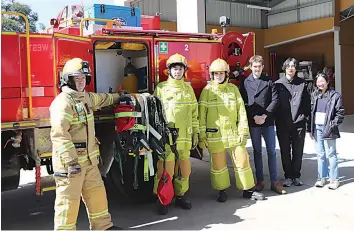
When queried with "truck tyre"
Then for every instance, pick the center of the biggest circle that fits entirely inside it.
(10, 172)
(10, 162)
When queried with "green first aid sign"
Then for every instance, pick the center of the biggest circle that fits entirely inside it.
(163, 47)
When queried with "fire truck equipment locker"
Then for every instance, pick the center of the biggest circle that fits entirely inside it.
(112, 64)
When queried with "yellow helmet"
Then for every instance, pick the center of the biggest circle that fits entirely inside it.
(176, 59)
(74, 67)
(219, 65)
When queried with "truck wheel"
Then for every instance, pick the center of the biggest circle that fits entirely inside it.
(10, 174)
(10, 162)
(144, 192)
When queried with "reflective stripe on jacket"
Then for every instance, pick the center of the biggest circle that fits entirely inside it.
(181, 109)
(222, 115)
(73, 129)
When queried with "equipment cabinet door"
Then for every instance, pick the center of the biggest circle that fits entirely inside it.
(68, 47)
(199, 55)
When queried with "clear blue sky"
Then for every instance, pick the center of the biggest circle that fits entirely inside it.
(48, 9)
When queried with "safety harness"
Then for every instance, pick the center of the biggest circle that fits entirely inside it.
(142, 132)
(158, 125)
(133, 128)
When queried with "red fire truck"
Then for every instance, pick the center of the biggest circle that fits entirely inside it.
(31, 65)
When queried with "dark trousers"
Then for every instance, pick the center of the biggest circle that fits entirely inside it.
(291, 142)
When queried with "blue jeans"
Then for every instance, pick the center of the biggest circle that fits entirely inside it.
(268, 134)
(324, 149)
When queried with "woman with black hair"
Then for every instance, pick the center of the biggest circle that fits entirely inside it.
(327, 113)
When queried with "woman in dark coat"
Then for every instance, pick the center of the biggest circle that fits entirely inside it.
(327, 113)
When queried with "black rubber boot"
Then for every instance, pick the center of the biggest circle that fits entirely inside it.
(253, 195)
(115, 228)
(222, 197)
(162, 209)
(183, 202)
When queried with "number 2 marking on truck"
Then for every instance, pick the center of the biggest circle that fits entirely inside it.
(186, 47)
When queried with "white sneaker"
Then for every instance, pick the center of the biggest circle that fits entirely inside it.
(333, 184)
(320, 183)
(288, 182)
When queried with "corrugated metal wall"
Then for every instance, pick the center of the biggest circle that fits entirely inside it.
(239, 14)
(294, 11)
(167, 8)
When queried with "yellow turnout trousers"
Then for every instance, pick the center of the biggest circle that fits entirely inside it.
(180, 186)
(87, 184)
(219, 172)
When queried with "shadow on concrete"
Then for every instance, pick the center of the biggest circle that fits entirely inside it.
(206, 211)
(347, 125)
(23, 210)
(308, 172)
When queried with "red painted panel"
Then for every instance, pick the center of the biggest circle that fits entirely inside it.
(41, 57)
(10, 61)
(13, 92)
(11, 110)
(199, 56)
(23, 58)
(69, 30)
(49, 91)
(41, 62)
(41, 107)
(67, 49)
(42, 101)
(39, 91)
(149, 22)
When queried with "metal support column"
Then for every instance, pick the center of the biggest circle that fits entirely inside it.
(337, 61)
(191, 16)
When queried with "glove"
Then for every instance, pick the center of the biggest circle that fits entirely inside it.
(203, 144)
(242, 140)
(74, 169)
(195, 140)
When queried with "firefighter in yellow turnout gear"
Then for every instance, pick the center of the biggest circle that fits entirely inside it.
(224, 127)
(76, 150)
(181, 110)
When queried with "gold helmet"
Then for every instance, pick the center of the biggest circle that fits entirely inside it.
(219, 65)
(74, 67)
(176, 59)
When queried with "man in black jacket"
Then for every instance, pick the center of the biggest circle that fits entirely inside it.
(291, 117)
(261, 100)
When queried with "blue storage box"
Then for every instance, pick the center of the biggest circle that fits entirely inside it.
(127, 16)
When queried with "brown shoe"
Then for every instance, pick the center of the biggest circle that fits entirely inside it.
(259, 186)
(278, 188)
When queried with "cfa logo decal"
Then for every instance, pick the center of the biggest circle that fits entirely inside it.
(122, 21)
